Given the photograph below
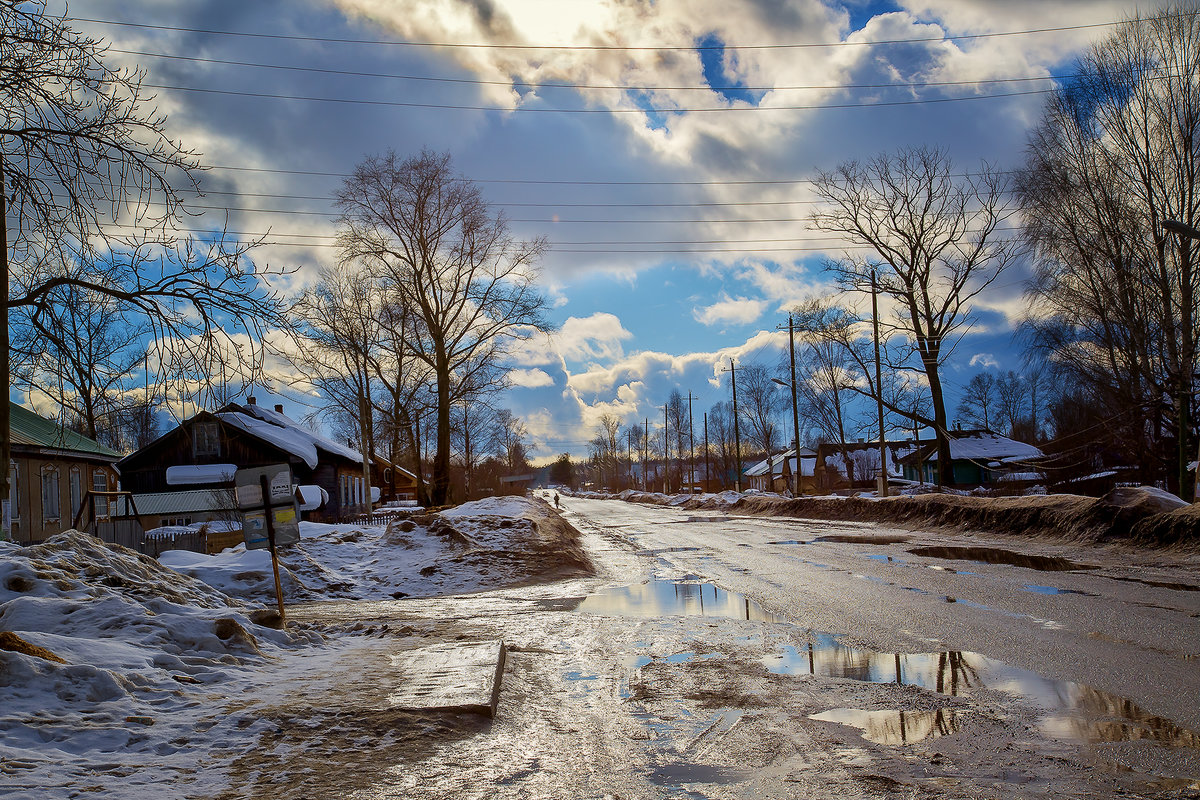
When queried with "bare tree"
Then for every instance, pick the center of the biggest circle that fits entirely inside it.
(720, 438)
(980, 404)
(428, 233)
(935, 244)
(82, 148)
(508, 440)
(82, 354)
(760, 403)
(1114, 299)
(338, 347)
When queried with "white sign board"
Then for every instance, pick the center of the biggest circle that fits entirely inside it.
(280, 504)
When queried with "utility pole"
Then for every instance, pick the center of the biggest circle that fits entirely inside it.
(646, 456)
(883, 478)
(795, 404)
(691, 447)
(737, 435)
(707, 467)
(666, 453)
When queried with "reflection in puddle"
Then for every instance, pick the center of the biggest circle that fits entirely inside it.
(1074, 711)
(995, 555)
(895, 727)
(789, 541)
(682, 774)
(846, 538)
(666, 598)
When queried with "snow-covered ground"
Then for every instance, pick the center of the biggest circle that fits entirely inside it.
(119, 673)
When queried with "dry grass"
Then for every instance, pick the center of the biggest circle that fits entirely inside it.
(10, 641)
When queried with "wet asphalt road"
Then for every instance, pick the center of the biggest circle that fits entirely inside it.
(1101, 624)
(723, 657)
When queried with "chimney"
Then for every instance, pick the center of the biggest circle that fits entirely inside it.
(279, 408)
(250, 400)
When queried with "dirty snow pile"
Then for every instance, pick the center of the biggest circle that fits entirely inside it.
(481, 545)
(108, 658)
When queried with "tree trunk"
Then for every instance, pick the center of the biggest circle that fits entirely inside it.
(945, 469)
(440, 494)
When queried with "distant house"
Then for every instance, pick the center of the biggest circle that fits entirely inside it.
(185, 476)
(51, 471)
(863, 472)
(977, 458)
(776, 474)
(393, 483)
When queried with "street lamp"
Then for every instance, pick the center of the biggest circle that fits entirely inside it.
(1185, 233)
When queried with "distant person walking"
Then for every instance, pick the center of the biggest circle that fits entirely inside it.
(556, 503)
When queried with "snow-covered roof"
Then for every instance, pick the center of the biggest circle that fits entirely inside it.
(984, 446)
(285, 433)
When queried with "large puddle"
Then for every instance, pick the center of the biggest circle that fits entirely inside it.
(1073, 710)
(995, 555)
(670, 598)
(1070, 710)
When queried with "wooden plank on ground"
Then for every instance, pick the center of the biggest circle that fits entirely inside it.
(462, 678)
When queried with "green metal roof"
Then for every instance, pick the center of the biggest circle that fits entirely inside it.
(27, 428)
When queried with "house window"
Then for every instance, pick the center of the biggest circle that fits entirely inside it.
(175, 522)
(358, 494)
(100, 484)
(51, 495)
(206, 439)
(75, 481)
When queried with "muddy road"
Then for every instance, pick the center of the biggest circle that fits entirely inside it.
(723, 657)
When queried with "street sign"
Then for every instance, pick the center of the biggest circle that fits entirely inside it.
(281, 505)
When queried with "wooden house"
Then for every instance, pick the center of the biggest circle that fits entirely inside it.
(51, 471)
(977, 458)
(192, 466)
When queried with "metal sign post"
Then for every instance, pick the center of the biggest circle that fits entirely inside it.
(269, 515)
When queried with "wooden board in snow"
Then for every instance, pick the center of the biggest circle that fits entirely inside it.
(450, 677)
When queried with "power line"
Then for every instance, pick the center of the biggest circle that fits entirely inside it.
(596, 48)
(598, 86)
(330, 198)
(544, 110)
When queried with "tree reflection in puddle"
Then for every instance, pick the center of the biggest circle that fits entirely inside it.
(1073, 711)
(668, 598)
(895, 727)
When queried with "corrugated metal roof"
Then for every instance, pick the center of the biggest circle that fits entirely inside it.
(185, 502)
(27, 428)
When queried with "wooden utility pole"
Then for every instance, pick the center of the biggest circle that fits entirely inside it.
(737, 434)
(707, 467)
(691, 447)
(883, 478)
(646, 456)
(666, 452)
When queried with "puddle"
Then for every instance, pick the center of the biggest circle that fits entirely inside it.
(1029, 587)
(847, 538)
(671, 598)
(995, 555)
(1179, 587)
(895, 727)
(683, 774)
(789, 541)
(1073, 711)
(660, 550)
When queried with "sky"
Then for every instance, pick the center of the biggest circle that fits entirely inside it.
(663, 147)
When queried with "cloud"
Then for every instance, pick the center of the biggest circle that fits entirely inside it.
(596, 338)
(738, 310)
(530, 378)
(984, 360)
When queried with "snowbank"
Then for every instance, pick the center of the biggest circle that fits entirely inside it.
(105, 651)
(1144, 514)
(485, 544)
